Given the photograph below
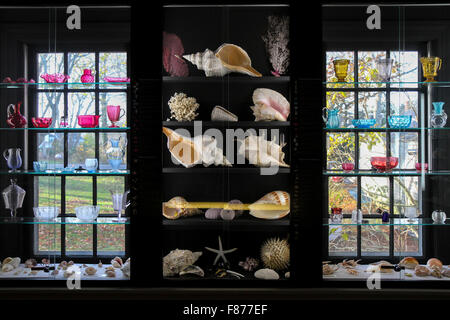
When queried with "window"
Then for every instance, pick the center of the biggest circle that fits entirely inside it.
(69, 147)
(364, 96)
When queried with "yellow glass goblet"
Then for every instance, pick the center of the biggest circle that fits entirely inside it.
(430, 67)
(341, 69)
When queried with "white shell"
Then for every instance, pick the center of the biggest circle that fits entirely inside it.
(7, 267)
(193, 270)
(227, 58)
(269, 105)
(175, 213)
(126, 268)
(261, 152)
(274, 197)
(222, 114)
(90, 271)
(267, 274)
(177, 260)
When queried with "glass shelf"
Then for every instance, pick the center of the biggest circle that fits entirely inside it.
(67, 129)
(52, 85)
(397, 84)
(392, 173)
(392, 222)
(68, 173)
(381, 129)
(263, 79)
(232, 124)
(60, 220)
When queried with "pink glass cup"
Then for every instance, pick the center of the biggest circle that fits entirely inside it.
(88, 121)
(420, 166)
(348, 166)
(114, 115)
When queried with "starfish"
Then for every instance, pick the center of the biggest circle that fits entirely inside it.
(220, 252)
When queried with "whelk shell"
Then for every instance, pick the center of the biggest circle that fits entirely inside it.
(270, 105)
(272, 198)
(227, 58)
(175, 213)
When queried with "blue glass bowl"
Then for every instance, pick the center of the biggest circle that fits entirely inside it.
(363, 123)
(399, 122)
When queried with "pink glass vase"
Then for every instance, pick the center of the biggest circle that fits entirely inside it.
(88, 121)
(87, 76)
(114, 114)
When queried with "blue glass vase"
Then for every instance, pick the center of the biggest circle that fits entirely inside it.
(116, 152)
(438, 115)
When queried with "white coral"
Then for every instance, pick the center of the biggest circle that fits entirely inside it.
(182, 107)
(277, 41)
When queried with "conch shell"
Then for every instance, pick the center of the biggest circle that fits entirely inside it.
(275, 197)
(261, 152)
(227, 58)
(175, 213)
(192, 151)
(270, 105)
(178, 260)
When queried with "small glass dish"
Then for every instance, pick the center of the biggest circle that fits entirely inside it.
(384, 164)
(118, 80)
(348, 166)
(420, 165)
(399, 122)
(363, 123)
(55, 77)
(46, 213)
(41, 122)
(87, 213)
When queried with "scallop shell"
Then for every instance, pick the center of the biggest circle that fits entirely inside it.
(261, 152)
(222, 114)
(227, 58)
(177, 260)
(274, 197)
(90, 271)
(269, 105)
(175, 213)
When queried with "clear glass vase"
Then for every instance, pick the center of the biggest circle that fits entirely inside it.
(116, 152)
(438, 115)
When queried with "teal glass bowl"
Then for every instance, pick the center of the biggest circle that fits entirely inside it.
(363, 123)
(399, 122)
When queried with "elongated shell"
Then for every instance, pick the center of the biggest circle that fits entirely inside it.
(276, 198)
(183, 149)
(222, 114)
(175, 213)
(234, 58)
(208, 62)
(261, 152)
(270, 105)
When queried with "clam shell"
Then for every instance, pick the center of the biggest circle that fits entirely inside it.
(270, 105)
(222, 114)
(267, 274)
(175, 213)
(274, 197)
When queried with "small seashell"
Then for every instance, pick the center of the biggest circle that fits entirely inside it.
(30, 263)
(63, 263)
(222, 114)
(287, 275)
(177, 260)
(117, 262)
(70, 263)
(175, 213)
(34, 272)
(126, 269)
(267, 274)
(100, 264)
(84, 265)
(110, 273)
(7, 260)
(237, 212)
(192, 269)
(212, 213)
(45, 261)
(68, 273)
(110, 268)
(90, 271)
(54, 272)
(227, 214)
(280, 198)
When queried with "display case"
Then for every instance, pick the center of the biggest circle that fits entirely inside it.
(64, 128)
(226, 113)
(385, 172)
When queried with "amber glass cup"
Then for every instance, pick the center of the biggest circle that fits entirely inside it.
(341, 69)
(430, 67)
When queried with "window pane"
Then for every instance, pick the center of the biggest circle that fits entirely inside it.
(342, 193)
(104, 185)
(340, 149)
(406, 240)
(48, 191)
(105, 147)
(50, 63)
(51, 105)
(113, 99)
(112, 64)
(111, 238)
(406, 103)
(79, 238)
(405, 68)
(80, 103)
(50, 148)
(342, 240)
(345, 102)
(49, 237)
(79, 192)
(405, 146)
(367, 68)
(406, 195)
(80, 147)
(331, 77)
(372, 105)
(77, 62)
(371, 144)
(374, 194)
(375, 240)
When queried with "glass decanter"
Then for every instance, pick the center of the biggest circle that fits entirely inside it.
(438, 115)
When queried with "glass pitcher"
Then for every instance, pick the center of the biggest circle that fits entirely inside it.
(331, 117)
(116, 152)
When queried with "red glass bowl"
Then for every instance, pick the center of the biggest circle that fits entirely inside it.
(384, 164)
(116, 80)
(419, 166)
(55, 78)
(88, 121)
(348, 166)
(41, 122)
